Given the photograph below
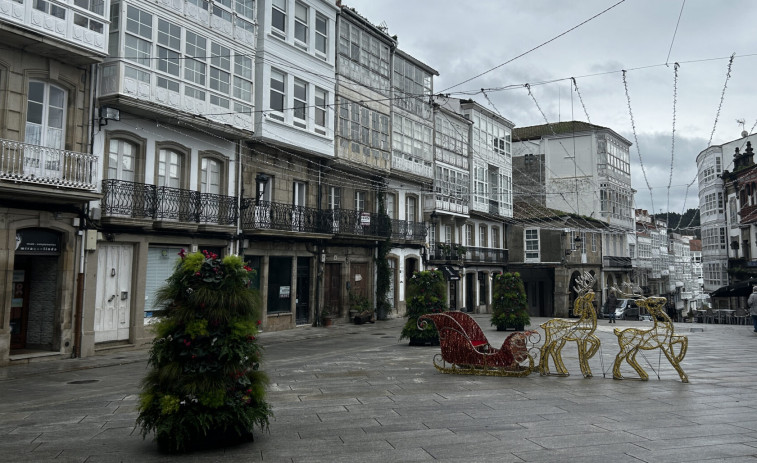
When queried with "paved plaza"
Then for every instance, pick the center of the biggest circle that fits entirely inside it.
(353, 393)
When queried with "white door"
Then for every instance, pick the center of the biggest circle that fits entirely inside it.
(113, 292)
(392, 276)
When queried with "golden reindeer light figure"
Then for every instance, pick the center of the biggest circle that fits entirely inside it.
(558, 331)
(660, 336)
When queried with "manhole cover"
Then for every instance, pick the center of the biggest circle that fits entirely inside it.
(84, 381)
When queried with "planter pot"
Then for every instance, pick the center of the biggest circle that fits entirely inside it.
(328, 321)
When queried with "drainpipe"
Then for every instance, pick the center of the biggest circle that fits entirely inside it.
(80, 278)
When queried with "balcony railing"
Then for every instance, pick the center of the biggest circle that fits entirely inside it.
(616, 262)
(143, 201)
(267, 215)
(406, 230)
(22, 162)
(493, 255)
(455, 252)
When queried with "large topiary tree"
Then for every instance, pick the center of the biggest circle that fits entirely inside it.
(510, 307)
(426, 293)
(205, 387)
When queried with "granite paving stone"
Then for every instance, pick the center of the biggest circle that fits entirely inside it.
(355, 394)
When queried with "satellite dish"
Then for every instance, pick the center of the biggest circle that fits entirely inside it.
(744, 133)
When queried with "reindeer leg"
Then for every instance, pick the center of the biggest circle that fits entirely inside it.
(668, 350)
(546, 352)
(559, 365)
(635, 365)
(586, 350)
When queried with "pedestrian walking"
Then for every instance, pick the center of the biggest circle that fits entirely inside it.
(610, 305)
(752, 303)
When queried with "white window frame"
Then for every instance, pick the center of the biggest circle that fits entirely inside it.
(50, 129)
(531, 248)
(320, 119)
(300, 103)
(278, 113)
(301, 25)
(279, 7)
(321, 36)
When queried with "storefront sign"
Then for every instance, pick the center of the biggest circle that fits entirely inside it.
(37, 241)
(284, 292)
(365, 218)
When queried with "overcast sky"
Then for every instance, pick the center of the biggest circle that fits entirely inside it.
(461, 39)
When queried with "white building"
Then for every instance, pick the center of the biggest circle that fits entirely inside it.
(585, 170)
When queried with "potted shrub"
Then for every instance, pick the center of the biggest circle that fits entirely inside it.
(205, 387)
(426, 293)
(327, 316)
(510, 307)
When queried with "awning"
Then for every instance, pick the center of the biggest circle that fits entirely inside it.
(450, 273)
(741, 288)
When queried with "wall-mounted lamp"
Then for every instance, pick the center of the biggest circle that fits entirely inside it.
(108, 113)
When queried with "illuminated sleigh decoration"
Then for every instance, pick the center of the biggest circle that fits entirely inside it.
(559, 331)
(466, 351)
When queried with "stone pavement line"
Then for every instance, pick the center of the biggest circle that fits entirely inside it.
(353, 393)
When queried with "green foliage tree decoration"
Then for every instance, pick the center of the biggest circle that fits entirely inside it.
(205, 386)
(426, 293)
(510, 307)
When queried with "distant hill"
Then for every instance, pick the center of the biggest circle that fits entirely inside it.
(686, 224)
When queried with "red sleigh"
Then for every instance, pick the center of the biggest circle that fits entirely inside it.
(466, 351)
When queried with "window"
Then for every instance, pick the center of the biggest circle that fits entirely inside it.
(121, 160)
(278, 95)
(243, 78)
(468, 235)
(389, 205)
(300, 24)
(220, 68)
(95, 6)
(50, 8)
(170, 164)
(594, 243)
(279, 18)
(495, 238)
(300, 103)
(45, 115)
(321, 34)
(360, 201)
(210, 176)
(245, 8)
(168, 84)
(411, 213)
(335, 194)
(362, 58)
(137, 41)
(532, 244)
(321, 98)
(169, 46)
(482, 236)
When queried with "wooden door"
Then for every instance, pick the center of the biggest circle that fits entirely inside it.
(359, 279)
(332, 297)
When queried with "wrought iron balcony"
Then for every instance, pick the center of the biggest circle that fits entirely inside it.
(472, 255)
(22, 162)
(406, 230)
(143, 201)
(350, 222)
(486, 255)
(267, 215)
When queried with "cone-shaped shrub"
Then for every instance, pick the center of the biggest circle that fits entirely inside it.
(510, 306)
(205, 386)
(426, 293)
